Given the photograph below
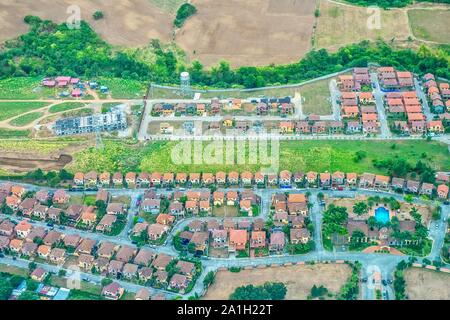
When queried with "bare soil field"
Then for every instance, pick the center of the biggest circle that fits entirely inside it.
(298, 279)
(252, 32)
(341, 24)
(423, 284)
(126, 22)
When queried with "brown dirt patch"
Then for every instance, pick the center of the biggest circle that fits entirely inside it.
(126, 22)
(28, 164)
(423, 284)
(298, 279)
(248, 32)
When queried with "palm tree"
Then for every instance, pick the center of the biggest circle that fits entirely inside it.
(360, 208)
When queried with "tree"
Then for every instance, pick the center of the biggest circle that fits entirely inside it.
(360, 208)
(372, 222)
(318, 291)
(98, 15)
(29, 295)
(106, 281)
(209, 279)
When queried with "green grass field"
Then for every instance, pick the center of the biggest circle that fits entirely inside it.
(124, 89)
(23, 89)
(431, 25)
(26, 119)
(12, 109)
(303, 156)
(65, 106)
(9, 134)
(315, 98)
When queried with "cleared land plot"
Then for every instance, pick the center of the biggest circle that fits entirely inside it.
(316, 98)
(248, 32)
(423, 284)
(124, 89)
(319, 156)
(65, 106)
(225, 211)
(298, 279)
(12, 109)
(128, 22)
(430, 25)
(340, 24)
(26, 119)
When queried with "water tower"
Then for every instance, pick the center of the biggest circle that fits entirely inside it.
(185, 83)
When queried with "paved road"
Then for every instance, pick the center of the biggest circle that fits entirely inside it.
(379, 96)
(335, 96)
(422, 96)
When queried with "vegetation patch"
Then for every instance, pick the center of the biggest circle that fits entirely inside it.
(430, 25)
(26, 119)
(12, 109)
(184, 11)
(8, 134)
(65, 106)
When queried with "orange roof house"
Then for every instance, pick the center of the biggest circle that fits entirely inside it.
(237, 240)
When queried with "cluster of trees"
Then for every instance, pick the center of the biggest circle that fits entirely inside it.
(334, 220)
(402, 168)
(268, 291)
(53, 178)
(318, 292)
(350, 289)
(49, 49)
(184, 11)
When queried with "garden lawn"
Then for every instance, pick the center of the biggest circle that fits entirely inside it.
(65, 106)
(12, 109)
(320, 156)
(26, 119)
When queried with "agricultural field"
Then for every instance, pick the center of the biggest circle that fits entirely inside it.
(26, 119)
(12, 109)
(128, 23)
(316, 98)
(254, 31)
(302, 156)
(9, 133)
(298, 279)
(339, 25)
(430, 25)
(423, 284)
(65, 106)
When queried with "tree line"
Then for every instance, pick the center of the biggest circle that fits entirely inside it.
(49, 49)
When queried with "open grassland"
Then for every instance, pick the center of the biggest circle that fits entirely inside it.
(22, 89)
(316, 98)
(125, 89)
(341, 24)
(12, 109)
(298, 280)
(321, 155)
(423, 284)
(26, 119)
(9, 133)
(430, 25)
(65, 106)
(170, 6)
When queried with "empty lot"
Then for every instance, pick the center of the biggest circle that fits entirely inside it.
(430, 25)
(423, 284)
(298, 279)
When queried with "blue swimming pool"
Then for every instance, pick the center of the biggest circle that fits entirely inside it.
(382, 215)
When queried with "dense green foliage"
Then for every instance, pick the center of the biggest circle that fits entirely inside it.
(268, 291)
(350, 289)
(184, 11)
(335, 220)
(49, 49)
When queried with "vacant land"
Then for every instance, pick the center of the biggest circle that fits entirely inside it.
(26, 119)
(125, 89)
(430, 25)
(298, 279)
(302, 156)
(316, 98)
(341, 24)
(22, 88)
(65, 106)
(12, 109)
(423, 284)
(248, 32)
